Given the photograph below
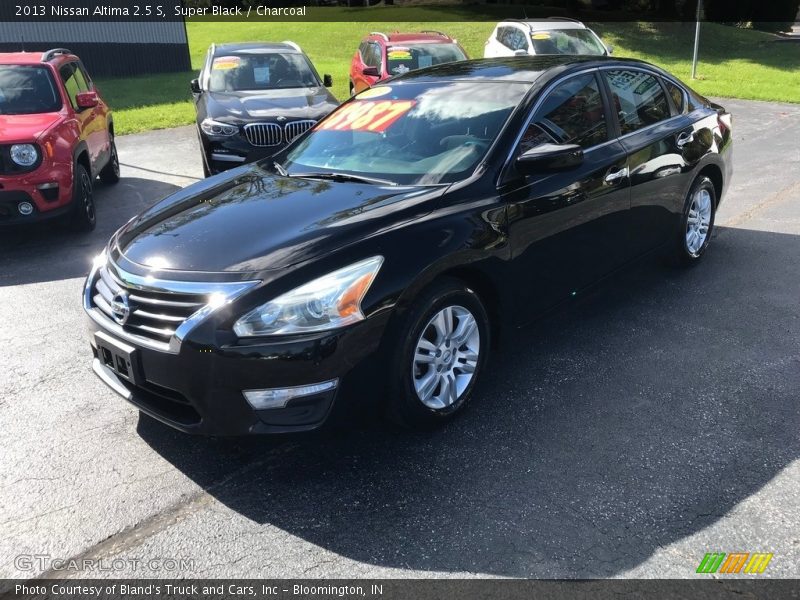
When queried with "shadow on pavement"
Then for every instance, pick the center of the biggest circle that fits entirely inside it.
(635, 417)
(50, 252)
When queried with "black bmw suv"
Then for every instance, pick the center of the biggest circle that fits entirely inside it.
(252, 99)
(378, 257)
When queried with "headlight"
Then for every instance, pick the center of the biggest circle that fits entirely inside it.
(212, 127)
(330, 302)
(24, 155)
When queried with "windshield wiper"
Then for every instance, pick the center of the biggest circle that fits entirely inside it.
(279, 168)
(342, 177)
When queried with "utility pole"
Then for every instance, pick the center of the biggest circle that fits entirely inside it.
(697, 39)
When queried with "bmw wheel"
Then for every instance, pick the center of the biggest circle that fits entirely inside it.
(445, 344)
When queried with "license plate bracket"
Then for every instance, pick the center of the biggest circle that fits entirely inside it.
(118, 356)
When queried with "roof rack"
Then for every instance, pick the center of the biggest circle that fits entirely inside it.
(434, 32)
(292, 45)
(51, 54)
(383, 35)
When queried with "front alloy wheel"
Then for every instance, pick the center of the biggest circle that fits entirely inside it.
(83, 211)
(442, 343)
(446, 357)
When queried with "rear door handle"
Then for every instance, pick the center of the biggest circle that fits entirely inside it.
(613, 176)
(686, 137)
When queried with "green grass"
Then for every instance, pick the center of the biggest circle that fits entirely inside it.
(734, 62)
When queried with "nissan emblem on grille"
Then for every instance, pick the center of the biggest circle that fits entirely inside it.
(120, 307)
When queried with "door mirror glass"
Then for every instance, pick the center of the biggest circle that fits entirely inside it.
(194, 84)
(371, 72)
(550, 157)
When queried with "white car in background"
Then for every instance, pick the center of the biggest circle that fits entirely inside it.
(555, 35)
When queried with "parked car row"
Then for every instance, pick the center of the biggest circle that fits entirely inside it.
(252, 100)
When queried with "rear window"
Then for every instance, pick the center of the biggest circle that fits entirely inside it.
(26, 90)
(567, 41)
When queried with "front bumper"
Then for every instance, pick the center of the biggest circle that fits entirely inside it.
(48, 189)
(221, 154)
(199, 388)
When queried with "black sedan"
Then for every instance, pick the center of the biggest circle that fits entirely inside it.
(377, 257)
(252, 99)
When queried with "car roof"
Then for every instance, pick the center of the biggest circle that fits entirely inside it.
(545, 24)
(521, 69)
(33, 58)
(258, 47)
(398, 37)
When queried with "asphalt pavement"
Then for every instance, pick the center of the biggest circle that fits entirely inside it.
(648, 423)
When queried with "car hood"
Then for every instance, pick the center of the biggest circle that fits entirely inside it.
(25, 128)
(294, 103)
(254, 221)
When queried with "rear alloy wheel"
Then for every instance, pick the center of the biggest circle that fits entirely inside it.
(83, 211)
(110, 173)
(697, 222)
(445, 343)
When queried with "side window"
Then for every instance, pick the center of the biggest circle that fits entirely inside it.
(638, 99)
(71, 83)
(571, 114)
(506, 37)
(373, 57)
(518, 40)
(678, 97)
(84, 83)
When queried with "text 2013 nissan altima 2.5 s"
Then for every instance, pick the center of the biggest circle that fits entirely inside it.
(378, 255)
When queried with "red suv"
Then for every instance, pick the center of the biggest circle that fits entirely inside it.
(381, 56)
(56, 136)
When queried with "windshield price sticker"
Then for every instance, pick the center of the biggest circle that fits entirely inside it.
(223, 63)
(367, 116)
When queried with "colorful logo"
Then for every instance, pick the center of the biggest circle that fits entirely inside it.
(736, 562)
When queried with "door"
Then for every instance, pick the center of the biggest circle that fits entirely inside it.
(656, 137)
(569, 228)
(74, 84)
(97, 120)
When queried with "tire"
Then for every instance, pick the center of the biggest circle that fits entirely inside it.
(83, 217)
(696, 224)
(110, 173)
(418, 390)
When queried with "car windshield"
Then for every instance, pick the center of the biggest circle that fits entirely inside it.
(245, 71)
(567, 41)
(409, 133)
(26, 90)
(402, 59)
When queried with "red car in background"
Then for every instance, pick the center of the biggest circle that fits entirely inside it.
(56, 136)
(380, 56)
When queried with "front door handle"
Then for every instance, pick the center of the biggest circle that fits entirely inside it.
(613, 176)
(687, 137)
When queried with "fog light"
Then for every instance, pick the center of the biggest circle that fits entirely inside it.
(25, 208)
(279, 397)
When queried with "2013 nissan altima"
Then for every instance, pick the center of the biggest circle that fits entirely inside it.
(379, 254)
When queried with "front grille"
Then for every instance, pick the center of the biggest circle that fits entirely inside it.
(154, 315)
(263, 134)
(295, 128)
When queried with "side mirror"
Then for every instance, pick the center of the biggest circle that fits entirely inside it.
(520, 52)
(549, 157)
(194, 84)
(610, 50)
(87, 99)
(327, 80)
(371, 72)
